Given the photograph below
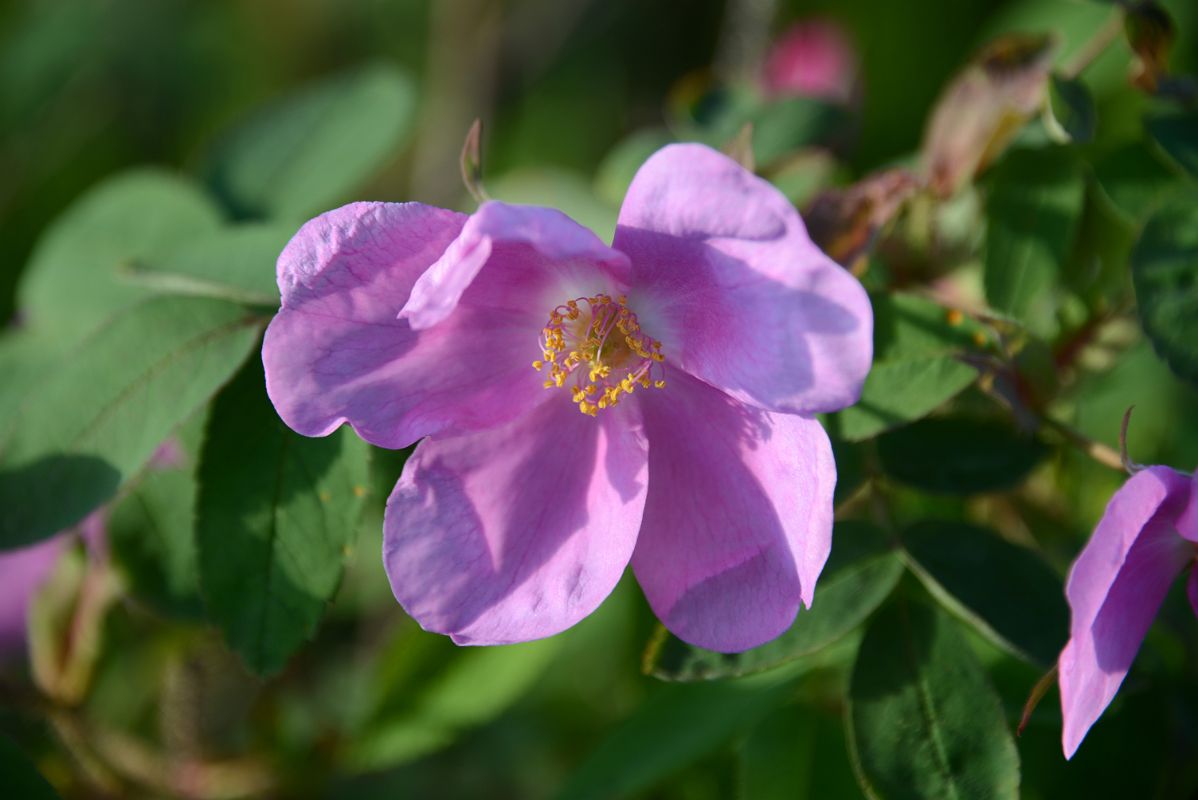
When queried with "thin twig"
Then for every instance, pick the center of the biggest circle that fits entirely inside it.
(1103, 454)
(1096, 46)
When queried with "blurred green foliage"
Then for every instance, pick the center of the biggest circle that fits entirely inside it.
(157, 155)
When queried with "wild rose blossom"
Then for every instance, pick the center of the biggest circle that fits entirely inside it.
(696, 348)
(1147, 535)
(813, 58)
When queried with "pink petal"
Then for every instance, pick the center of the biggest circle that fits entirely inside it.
(518, 532)
(1115, 588)
(726, 277)
(22, 573)
(539, 256)
(336, 351)
(1187, 521)
(738, 523)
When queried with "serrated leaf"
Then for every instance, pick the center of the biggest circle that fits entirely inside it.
(1005, 591)
(1164, 270)
(916, 365)
(860, 573)
(236, 264)
(71, 285)
(925, 720)
(150, 531)
(308, 150)
(97, 419)
(959, 455)
(274, 516)
(21, 778)
(1032, 214)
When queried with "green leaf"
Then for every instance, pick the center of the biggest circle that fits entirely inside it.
(71, 284)
(97, 419)
(151, 530)
(310, 149)
(796, 753)
(852, 468)
(959, 455)
(21, 778)
(860, 573)
(274, 516)
(925, 720)
(916, 368)
(236, 264)
(1177, 135)
(677, 724)
(1006, 591)
(476, 686)
(1032, 214)
(1164, 270)
(1135, 180)
(1072, 109)
(787, 125)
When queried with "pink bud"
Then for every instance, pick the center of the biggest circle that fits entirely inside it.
(812, 59)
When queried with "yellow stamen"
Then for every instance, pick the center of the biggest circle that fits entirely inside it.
(597, 344)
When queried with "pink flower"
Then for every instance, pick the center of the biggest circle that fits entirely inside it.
(812, 59)
(1147, 535)
(697, 348)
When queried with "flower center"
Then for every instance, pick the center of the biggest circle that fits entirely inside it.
(595, 347)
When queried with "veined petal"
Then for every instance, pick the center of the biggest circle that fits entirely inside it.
(1115, 588)
(517, 532)
(726, 277)
(1187, 521)
(738, 522)
(535, 258)
(336, 351)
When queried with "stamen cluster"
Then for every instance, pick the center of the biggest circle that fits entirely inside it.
(597, 343)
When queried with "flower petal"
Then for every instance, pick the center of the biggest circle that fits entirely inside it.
(738, 522)
(726, 277)
(1187, 521)
(1115, 588)
(539, 256)
(518, 532)
(22, 573)
(336, 351)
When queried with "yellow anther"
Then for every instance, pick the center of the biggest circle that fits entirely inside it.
(595, 347)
